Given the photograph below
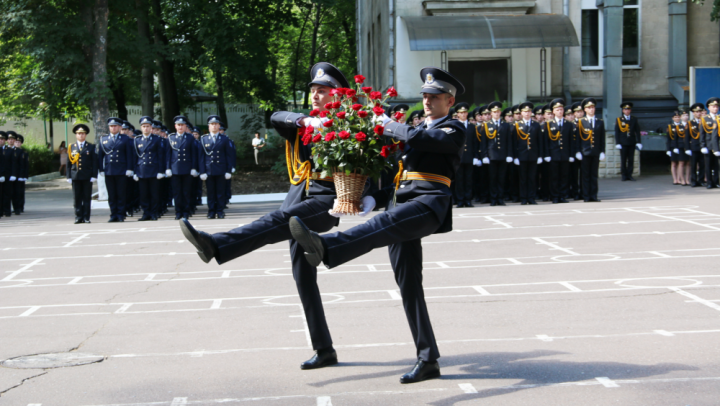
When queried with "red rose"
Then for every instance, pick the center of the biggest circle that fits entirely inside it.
(392, 92)
(350, 92)
(356, 107)
(375, 95)
(330, 136)
(309, 129)
(355, 99)
(400, 145)
(367, 90)
(360, 136)
(329, 105)
(378, 110)
(362, 113)
(341, 115)
(336, 105)
(328, 124)
(314, 113)
(379, 129)
(399, 115)
(306, 138)
(317, 137)
(340, 90)
(333, 92)
(359, 79)
(385, 152)
(344, 135)
(324, 113)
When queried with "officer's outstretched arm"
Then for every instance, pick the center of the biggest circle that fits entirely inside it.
(446, 139)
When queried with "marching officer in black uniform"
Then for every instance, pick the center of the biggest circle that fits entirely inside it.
(497, 147)
(310, 197)
(21, 157)
(559, 148)
(693, 147)
(529, 150)
(419, 205)
(591, 149)
(182, 162)
(149, 169)
(9, 173)
(627, 138)
(216, 168)
(469, 158)
(709, 142)
(116, 157)
(82, 172)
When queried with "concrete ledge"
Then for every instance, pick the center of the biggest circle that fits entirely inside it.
(45, 177)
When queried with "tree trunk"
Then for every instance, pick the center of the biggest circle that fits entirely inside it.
(118, 91)
(98, 99)
(169, 103)
(221, 97)
(52, 133)
(297, 60)
(147, 85)
(313, 50)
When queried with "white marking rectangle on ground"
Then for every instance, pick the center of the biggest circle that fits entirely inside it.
(606, 382)
(324, 401)
(467, 388)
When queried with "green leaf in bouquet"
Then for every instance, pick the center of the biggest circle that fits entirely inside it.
(324, 174)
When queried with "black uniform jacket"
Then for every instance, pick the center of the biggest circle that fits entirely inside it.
(677, 134)
(18, 162)
(434, 150)
(692, 139)
(559, 145)
(497, 142)
(591, 141)
(632, 136)
(532, 148)
(709, 133)
(472, 145)
(87, 165)
(285, 123)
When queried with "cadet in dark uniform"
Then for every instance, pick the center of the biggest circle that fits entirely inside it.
(228, 184)
(481, 177)
(512, 177)
(591, 149)
(215, 167)
(130, 198)
(23, 168)
(182, 162)
(627, 138)
(709, 142)
(559, 148)
(9, 173)
(543, 172)
(693, 147)
(415, 118)
(572, 172)
(115, 154)
(398, 114)
(497, 147)
(310, 197)
(676, 150)
(529, 149)
(3, 178)
(82, 172)
(469, 157)
(149, 169)
(197, 182)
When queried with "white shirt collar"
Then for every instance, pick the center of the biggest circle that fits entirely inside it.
(627, 118)
(430, 123)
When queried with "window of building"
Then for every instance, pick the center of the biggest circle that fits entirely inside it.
(592, 35)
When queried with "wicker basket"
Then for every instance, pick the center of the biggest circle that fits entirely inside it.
(349, 189)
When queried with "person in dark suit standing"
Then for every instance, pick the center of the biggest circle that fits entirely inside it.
(9, 173)
(693, 147)
(197, 182)
(233, 161)
(469, 158)
(419, 205)
(216, 161)
(182, 163)
(21, 157)
(149, 169)
(576, 187)
(558, 151)
(627, 138)
(709, 142)
(591, 149)
(82, 172)
(116, 156)
(497, 150)
(481, 180)
(529, 150)
(3, 178)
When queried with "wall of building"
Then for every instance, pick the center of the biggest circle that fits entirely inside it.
(703, 36)
(374, 42)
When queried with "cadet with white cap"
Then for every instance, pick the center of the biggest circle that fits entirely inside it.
(116, 162)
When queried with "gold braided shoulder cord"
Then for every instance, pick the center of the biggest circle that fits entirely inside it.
(74, 157)
(623, 127)
(670, 132)
(553, 137)
(694, 134)
(488, 134)
(680, 131)
(702, 121)
(298, 169)
(584, 131)
(520, 132)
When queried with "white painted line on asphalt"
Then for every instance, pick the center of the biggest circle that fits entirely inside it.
(697, 299)
(496, 221)
(442, 265)
(324, 401)
(24, 268)
(226, 274)
(554, 246)
(216, 304)
(467, 388)
(570, 286)
(371, 268)
(514, 261)
(179, 402)
(75, 240)
(543, 337)
(150, 277)
(394, 294)
(29, 311)
(674, 218)
(75, 280)
(34, 404)
(123, 308)
(606, 382)
(664, 333)
(197, 354)
(481, 290)
(660, 254)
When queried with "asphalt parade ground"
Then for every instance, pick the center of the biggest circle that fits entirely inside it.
(615, 302)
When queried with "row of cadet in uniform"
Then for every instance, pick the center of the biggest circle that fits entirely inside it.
(177, 164)
(692, 145)
(14, 172)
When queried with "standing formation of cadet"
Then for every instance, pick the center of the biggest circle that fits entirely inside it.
(14, 172)
(710, 143)
(82, 172)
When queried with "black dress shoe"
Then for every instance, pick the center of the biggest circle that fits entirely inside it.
(154, 218)
(221, 215)
(595, 200)
(493, 203)
(632, 179)
(485, 201)
(460, 205)
(556, 201)
(78, 220)
(422, 371)
(308, 240)
(145, 217)
(113, 220)
(178, 216)
(623, 179)
(211, 215)
(322, 358)
(501, 203)
(186, 217)
(532, 201)
(87, 220)
(469, 204)
(587, 200)
(524, 202)
(563, 201)
(202, 241)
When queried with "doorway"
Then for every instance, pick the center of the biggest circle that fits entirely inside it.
(484, 80)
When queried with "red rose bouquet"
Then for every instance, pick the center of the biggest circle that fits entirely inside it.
(349, 145)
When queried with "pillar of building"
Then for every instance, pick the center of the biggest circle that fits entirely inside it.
(612, 81)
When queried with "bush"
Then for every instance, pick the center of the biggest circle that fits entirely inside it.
(40, 157)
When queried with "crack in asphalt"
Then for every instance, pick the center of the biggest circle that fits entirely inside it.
(21, 383)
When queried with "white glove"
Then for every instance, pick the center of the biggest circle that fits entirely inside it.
(203, 176)
(602, 156)
(675, 150)
(571, 159)
(160, 176)
(688, 152)
(704, 151)
(23, 180)
(669, 153)
(193, 173)
(228, 176)
(477, 162)
(618, 146)
(486, 161)
(516, 161)
(135, 177)
(548, 158)
(338, 215)
(508, 159)
(539, 161)
(13, 179)
(367, 204)
(129, 173)
(102, 173)
(69, 181)
(233, 171)
(638, 146)
(385, 119)
(2, 179)
(578, 156)
(93, 180)
(716, 153)
(168, 172)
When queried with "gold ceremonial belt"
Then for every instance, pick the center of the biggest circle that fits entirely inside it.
(429, 177)
(316, 176)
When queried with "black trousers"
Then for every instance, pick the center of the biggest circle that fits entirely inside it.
(559, 172)
(590, 167)
(481, 182)
(697, 168)
(528, 178)
(627, 161)
(18, 196)
(82, 196)
(149, 196)
(273, 228)
(228, 191)
(215, 193)
(576, 179)
(116, 188)
(2, 189)
(182, 192)
(512, 181)
(463, 183)
(544, 181)
(496, 173)
(8, 189)
(711, 169)
(196, 198)
(400, 229)
(129, 196)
